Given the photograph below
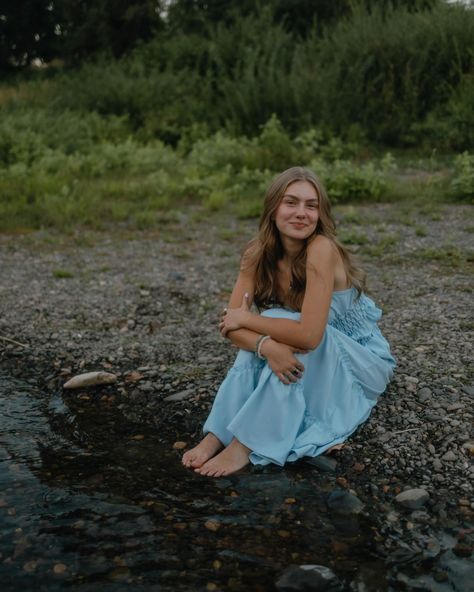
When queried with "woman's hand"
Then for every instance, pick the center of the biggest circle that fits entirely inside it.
(281, 359)
(234, 318)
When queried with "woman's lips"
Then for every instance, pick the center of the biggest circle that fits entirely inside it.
(298, 225)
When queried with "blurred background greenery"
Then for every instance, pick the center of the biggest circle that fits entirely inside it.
(128, 111)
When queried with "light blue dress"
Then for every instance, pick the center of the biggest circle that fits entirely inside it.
(342, 379)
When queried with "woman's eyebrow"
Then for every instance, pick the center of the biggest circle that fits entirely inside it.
(315, 199)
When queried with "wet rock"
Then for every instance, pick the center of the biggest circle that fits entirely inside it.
(413, 498)
(325, 464)
(449, 456)
(212, 525)
(308, 578)
(344, 502)
(90, 379)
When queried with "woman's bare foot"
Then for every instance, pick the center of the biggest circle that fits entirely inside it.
(206, 449)
(231, 459)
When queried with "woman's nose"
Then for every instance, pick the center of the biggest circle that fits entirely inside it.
(301, 212)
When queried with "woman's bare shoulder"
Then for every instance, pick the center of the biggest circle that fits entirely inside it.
(321, 246)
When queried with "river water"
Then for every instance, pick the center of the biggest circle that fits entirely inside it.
(91, 502)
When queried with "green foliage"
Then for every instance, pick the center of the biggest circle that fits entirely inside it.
(348, 181)
(450, 125)
(462, 184)
(387, 70)
(398, 76)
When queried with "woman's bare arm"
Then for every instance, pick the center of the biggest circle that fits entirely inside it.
(306, 333)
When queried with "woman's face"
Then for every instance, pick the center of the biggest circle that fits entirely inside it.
(298, 213)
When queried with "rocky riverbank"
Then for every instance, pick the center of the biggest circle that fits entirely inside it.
(145, 306)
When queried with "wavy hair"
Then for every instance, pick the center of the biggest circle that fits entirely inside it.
(266, 249)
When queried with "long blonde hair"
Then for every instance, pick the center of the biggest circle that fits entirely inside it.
(266, 249)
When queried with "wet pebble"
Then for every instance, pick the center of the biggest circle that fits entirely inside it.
(308, 578)
(344, 502)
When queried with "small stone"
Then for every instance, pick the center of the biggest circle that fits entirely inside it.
(469, 390)
(449, 456)
(138, 437)
(59, 568)
(30, 566)
(179, 396)
(413, 498)
(284, 534)
(469, 447)
(359, 467)
(119, 574)
(423, 394)
(308, 578)
(133, 376)
(212, 525)
(179, 445)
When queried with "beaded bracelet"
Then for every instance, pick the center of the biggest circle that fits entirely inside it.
(260, 342)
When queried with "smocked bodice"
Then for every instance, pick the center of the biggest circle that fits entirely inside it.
(354, 316)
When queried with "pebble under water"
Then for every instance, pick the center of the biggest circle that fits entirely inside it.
(90, 502)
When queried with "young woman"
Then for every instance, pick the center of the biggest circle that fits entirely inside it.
(312, 361)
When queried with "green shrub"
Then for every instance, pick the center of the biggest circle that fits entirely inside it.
(462, 184)
(347, 181)
(450, 126)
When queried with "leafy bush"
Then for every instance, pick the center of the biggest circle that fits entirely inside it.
(450, 125)
(347, 181)
(462, 184)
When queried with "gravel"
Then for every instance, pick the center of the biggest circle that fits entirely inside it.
(146, 305)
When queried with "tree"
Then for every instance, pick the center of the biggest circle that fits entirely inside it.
(73, 29)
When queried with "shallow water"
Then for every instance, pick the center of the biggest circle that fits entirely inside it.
(89, 501)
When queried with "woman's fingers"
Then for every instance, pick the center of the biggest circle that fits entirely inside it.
(289, 376)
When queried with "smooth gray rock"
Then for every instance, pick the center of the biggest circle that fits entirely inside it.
(344, 502)
(412, 498)
(179, 396)
(90, 379)
(308, 578)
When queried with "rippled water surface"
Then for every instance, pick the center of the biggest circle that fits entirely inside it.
(89, 502)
